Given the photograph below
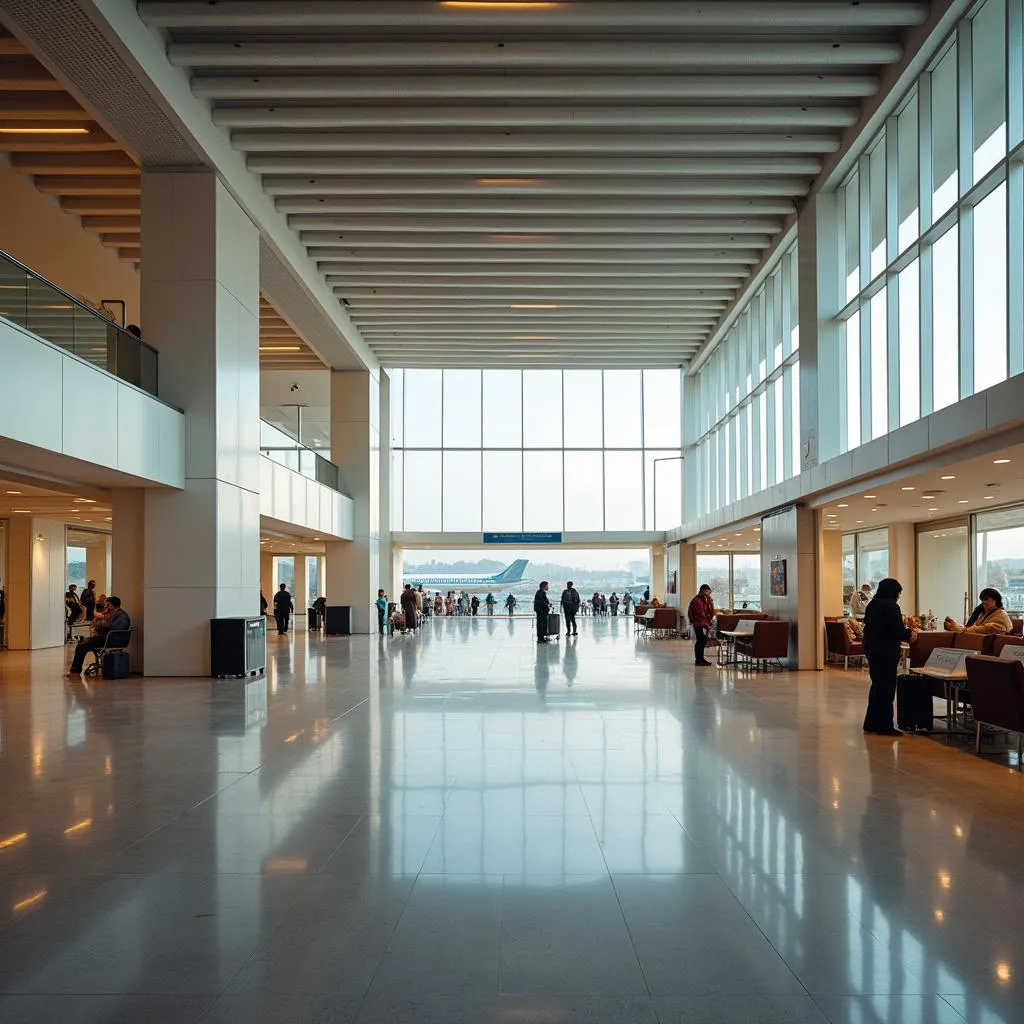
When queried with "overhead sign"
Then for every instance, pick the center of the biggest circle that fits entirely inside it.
(522, 538)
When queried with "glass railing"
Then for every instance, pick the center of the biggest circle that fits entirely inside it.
(51, 313)
(280, 447)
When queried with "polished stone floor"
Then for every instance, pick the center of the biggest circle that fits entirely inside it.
(465, 828)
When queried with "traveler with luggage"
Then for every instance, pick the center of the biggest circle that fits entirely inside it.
(282, 609)
(883, 633)
(570, 606)
(490, 602)
(474, 604)
(115, 621)
(542, 608)
(613, 603)
(381, 604)
(408, 601)
(510, 604)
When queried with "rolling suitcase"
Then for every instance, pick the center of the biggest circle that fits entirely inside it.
(115, 665)
(554, 623)
(914, 703)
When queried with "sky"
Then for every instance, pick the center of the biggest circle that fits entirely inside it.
(582, 559)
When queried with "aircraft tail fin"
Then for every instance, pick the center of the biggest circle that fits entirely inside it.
(514, 572)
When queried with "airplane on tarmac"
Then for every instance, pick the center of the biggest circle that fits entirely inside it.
(471, 582)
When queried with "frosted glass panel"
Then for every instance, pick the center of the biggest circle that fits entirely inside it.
(623, 408)
(462, 409)
(423, 490)
(583, 409)
(584, 491)
(542, 491)
(542, 409)
(461, 491)
(503, 491)
(662, 407)
(423, 409)
(503, 408)
(624, 491)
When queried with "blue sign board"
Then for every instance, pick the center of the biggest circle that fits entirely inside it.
(522, 538)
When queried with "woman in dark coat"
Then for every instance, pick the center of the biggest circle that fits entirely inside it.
(883, 633)
(408, 600)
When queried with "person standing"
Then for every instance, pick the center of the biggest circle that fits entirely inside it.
(381, 604)
(438, 604)
(626, 602)
(701, 614)
(510, 604)
(613, 603)
(409, 606)
(89, 600)
(542, 608)
(570, 606)
(474, 604)
(489, 601)
(883, 633)
(282, 608)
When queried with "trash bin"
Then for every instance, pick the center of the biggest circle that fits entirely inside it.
(339, 620)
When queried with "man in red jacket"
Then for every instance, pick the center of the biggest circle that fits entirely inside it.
(701, 614)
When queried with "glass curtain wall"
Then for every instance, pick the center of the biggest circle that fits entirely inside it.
(3, 581)
(931, 231)
(734, 578)
(999, 556)
(536, 450)
(748, 416)
(865, 560)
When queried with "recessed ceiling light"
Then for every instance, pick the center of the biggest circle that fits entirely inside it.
(933, 510)
(27, 511)
(874, 510)
(1000, 462)
(963, 501)
(928, 497)
(509, 182)
(949, 478)
(757, 529)
(870, 495)
(535, 305)
(44, 131)
(842, 506)
(860, 521)
(990, 497)
(86, 501)
(280, 348)
(831, 515)
(902, 489)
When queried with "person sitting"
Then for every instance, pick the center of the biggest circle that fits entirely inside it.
(988, 617)
(115, 620)
(859, 600)
(99, 613)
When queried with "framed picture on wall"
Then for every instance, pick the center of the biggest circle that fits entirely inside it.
(778, 577)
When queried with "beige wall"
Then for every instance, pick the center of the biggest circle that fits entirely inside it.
(34, 230)
(37, 564)
(831, 572)
(903, 563)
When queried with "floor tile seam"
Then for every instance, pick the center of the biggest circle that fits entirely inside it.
(337, 718)
(322, 869)
(629, 933)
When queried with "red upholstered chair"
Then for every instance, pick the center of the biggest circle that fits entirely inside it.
(839, 643)
(769, 644)
(999, 642)
(997, 697)
(980, 642)
(1018, 627)
(928, 642)
(666, 621)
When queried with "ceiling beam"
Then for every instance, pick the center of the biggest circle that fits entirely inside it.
(355, 242)
(513, 274)
(74, 185)
(527, 291)
(40, 106)
(128, 225)
(95, 141)
(100, 205)
(74, 163)
(25, 73)
(541, 224)
(581, 88)
(624, 185)
(423, 165)
(520, 142)
(662, 17)
(535, 54)
(576, 118)
(470, 261)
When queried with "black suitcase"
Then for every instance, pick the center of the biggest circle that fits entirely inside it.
(554, 623)
(115, 665)
(914, 703)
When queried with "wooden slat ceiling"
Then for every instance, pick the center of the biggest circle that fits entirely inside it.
(93, 178)
(280, 347)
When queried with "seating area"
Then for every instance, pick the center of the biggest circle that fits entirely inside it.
(839, 643)
(995, 691)
(656, 622)
(768, 646)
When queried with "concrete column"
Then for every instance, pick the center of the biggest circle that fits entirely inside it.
(791, 536)
(903, 563)
(687, 574)
(127, 562)
(200, 301)
(830, 572)
(97, 565)
(658, 572)
(37, 582)
(353, 567)
(300, 595)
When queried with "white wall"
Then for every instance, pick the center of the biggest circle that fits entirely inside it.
(37, 562)
(42, 390)
(36, 231)
(289, 497)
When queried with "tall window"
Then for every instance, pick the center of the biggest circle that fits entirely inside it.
(748, 419)
(865, 560)
(536, 450)
(926, 317)
(734, 578)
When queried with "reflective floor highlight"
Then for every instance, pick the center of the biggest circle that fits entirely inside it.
(464, 827)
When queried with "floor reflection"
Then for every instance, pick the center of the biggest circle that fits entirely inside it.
(466, 825)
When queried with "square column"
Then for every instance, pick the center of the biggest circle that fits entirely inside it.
(300, 593)
(200, 301)
(353, 567)
(97, 565)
